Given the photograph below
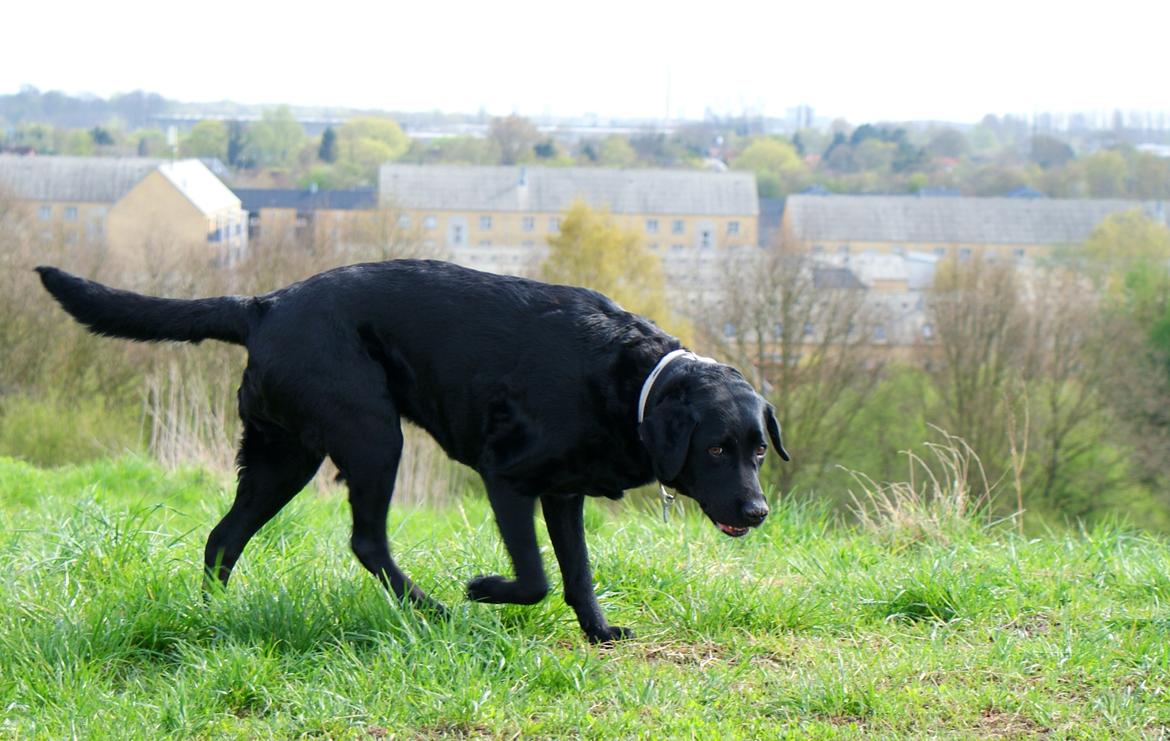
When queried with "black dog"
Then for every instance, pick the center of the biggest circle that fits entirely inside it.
(540, 388)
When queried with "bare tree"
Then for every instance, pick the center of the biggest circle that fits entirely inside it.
(981, 325)
(802, 330)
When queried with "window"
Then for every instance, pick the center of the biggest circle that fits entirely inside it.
(71, 213)
(485, 222)
(729, 330)
(678, 226)
(940, 251)
(928, 331)
(705, 238)
(818, 249)
(733, 227)
(652, 226)
(404, 222)
(45, 213)
(965, 254)
(843, 249)
(485, 243)
(457, 234)
(677, 248)
(778, 330)
(529, 224)
(1018, 253)
(430, 222)
(653, 246)
(554, 224)
(528, 243)
(879, 333)
(808, 329)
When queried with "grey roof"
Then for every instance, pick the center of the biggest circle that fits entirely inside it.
(553, 189)
(909, 219)
(81, 179)
(255, 199)
(108, 179)
(835, 277)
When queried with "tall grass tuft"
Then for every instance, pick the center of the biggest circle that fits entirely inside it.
(946, 490)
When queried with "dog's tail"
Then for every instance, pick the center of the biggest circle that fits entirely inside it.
(108, 311)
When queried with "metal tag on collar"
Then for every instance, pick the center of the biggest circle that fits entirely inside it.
(667, 500)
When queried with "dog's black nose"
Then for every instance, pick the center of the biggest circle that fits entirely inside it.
(755, 512)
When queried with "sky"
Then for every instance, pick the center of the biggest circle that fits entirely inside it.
(863, 61)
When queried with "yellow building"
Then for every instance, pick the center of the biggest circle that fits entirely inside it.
(500, 218)
(312, 216)
(1001, 228)
(138, 210)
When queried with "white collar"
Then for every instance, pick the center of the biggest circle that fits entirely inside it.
(666, 360)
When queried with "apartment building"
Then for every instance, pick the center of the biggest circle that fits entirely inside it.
(997, 228)
(501, 218)
(135, 209)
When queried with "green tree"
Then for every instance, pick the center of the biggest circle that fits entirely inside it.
(101, 137)
(237, 143)
(327, 152)
(275, 139)
(774, 161)
(1105, 174)
(208, 138)
(365, 144)
(150, 142)
(594, 251)
(616, 151)
(459, 150)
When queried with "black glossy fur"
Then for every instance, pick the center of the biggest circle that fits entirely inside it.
(535, 386)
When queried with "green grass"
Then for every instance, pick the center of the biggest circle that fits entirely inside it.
(803, 629)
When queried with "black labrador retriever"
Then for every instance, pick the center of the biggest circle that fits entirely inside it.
(540, 388)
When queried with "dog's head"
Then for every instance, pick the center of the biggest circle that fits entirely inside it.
(707, 433)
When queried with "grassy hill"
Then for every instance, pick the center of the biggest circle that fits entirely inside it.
(803, 629)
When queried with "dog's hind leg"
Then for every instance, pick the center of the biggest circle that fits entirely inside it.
(368, 459)
(274, 467)
(514, 516)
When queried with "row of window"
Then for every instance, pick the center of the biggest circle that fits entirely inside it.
(678, 226)
(528, 224)
(68, 213)
(964, 252)
(879, 331)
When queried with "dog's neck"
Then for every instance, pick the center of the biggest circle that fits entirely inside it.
(657, 371)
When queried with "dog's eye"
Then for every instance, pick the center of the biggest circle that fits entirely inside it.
(715, 450)
(761, 451)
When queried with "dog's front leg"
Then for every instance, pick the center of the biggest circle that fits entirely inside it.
(514, 516)
(566, 528)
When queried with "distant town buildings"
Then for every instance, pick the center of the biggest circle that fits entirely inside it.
(501, 218)
(996, 228)
(710, 229)
(136, 209)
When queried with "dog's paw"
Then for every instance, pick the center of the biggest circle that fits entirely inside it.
(608, 634)
(497, 590)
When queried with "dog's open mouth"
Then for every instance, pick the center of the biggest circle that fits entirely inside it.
(735, 532)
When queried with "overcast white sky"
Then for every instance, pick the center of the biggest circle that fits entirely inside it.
(863, 60)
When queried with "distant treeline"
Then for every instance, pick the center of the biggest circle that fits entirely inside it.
(1123, 156)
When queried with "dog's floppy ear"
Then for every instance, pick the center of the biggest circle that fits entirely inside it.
(666, 433)
(774, 431)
